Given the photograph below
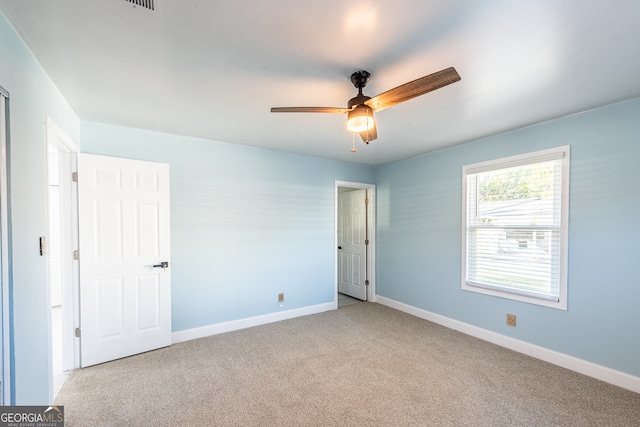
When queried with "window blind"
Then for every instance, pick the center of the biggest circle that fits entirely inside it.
(513, 229)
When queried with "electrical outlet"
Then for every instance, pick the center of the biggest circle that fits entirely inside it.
(511, 319)
(281, 298)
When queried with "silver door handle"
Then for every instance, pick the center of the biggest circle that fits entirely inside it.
(163, 265)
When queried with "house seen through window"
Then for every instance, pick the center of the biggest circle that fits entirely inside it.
(515, 219)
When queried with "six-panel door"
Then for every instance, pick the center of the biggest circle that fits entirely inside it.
(125, 304)
(352, 255)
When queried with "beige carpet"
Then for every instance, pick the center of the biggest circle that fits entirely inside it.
(361, 365)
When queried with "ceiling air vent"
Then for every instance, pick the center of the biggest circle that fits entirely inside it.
(145, 4)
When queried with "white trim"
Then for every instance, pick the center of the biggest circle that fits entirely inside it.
(517, 160)
(67, 150)
(5, 377)
(590, 369)
(249, 322)
(75, 239)
(61, 137)
(371, 212)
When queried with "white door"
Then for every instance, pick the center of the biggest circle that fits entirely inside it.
(125, 299)
(352, 250)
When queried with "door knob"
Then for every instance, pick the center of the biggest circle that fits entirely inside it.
(163, 265)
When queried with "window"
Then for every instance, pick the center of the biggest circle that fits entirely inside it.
(515, 224)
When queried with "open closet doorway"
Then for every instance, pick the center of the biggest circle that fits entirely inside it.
(62, 268)
(355, 242)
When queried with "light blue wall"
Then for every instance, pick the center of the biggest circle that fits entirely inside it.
(419, 237)
(32, 96)
(246, 223)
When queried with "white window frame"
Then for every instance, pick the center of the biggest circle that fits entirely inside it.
(507, 162)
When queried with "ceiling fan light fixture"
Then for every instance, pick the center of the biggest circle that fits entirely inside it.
(360, 119)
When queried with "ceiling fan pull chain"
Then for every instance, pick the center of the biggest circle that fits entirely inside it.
(353, 143)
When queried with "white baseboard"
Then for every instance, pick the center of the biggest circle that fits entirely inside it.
(234, 325)
(581, 366)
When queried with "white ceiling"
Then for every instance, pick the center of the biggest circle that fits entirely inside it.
(212, 69)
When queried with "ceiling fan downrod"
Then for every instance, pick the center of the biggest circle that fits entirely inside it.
(359, 80)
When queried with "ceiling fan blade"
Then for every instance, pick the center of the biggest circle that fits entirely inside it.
(369, 135)
(331, 110)
(414, 88)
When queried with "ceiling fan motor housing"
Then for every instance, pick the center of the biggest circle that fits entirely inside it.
(358, 100)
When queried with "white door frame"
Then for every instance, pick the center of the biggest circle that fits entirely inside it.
(5, 377)
(68, 150)
(371, 231)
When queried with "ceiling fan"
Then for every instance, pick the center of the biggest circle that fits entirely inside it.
(360, 108)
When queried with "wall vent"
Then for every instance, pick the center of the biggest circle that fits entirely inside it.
(145, 4)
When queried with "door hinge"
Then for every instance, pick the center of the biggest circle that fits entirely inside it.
(78, 332)
(43, 245)
(76, 254)
(74, 176)
(366, 283)
(366, 242)
(366, 201)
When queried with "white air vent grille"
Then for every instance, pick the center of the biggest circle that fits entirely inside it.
(147, 4)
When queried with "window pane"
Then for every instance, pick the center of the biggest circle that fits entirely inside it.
(521, 259)
(521, 195)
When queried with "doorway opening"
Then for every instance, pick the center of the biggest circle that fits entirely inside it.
(62, 268)
(355, 242)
